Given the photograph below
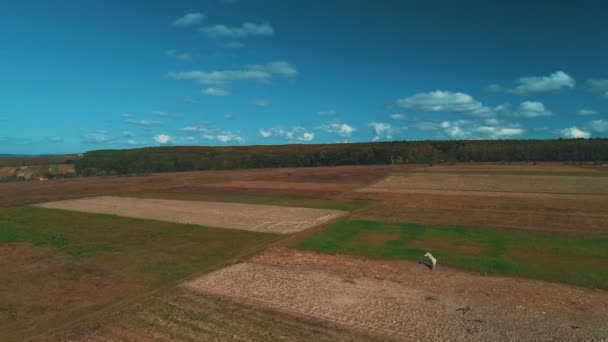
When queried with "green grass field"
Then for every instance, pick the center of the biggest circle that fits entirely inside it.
(58, 265)
(552, 257)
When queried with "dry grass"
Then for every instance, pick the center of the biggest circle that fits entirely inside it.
(257, 218)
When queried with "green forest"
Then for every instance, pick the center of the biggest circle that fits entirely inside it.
(183, 158)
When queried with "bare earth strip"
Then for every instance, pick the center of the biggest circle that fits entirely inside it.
(386, 299)
(259, 218)
(492, 185)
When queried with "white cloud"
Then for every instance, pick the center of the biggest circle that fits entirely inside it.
(162, 138)
(586, 112)
(55, 140)
(258, 72)
(500, 132)
(215, 92)
(234, 45)
(98, 137)
(261, 103)
(543, 84)
(341, 129)
(190, 99)
(132, 142)
(466, 129)
(599, 126)
(533, 109)
(327, 113)
(190, 19)
(383, 131)
(398, 116)
(247, 29)
(215, 134)
(600, 86)
(160, 113)
(180, 56)
(495, 88)
(228, 116)
(446, 101)
(295, 134)
(574, 132)
(126, 115)
(143, 122)
(225, 137)
(127, 134)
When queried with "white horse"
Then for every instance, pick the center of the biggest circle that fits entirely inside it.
(431, 260)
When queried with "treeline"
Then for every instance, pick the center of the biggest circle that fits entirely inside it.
(169, 159)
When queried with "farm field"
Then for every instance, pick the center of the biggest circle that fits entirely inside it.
(404, 300)
(58, 266)
(100, 277)
(252, 217)
(575, 260)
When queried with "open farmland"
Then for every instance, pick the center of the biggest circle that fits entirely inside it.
(406, 301)
(258, 218)
(58, 266)
(102, 277)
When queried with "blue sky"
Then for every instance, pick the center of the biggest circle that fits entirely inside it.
(85, 75)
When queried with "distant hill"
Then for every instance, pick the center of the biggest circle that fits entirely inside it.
(188, 158)
(46, 159)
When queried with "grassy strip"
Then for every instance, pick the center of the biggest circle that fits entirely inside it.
(152, 253)
(580, 261)
(349, 205)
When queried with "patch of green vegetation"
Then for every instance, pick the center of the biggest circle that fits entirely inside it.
(151, 253)
(554, 257)
(348, 205)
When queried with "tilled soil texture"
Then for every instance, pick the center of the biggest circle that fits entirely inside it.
(547, 203)
(185, 315)
(258, 218)
(491, 184)
(342, 177)
(406, 300)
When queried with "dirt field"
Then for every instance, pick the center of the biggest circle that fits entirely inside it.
(257, 218)
(23, 193)
(492, 184)
(405, 299)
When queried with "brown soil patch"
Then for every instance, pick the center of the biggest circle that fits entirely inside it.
(40, 289)
(441, 245)
(271, 185)
(416, 303)
(21, 193)
(478, 184)
(259, 218)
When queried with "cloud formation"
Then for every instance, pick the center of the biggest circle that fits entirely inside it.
(599, 85)
(190, 19)
(342, 129)
(215, 92)
(383, 131)
(215, 134)
(256, 72)
(533, 109)
(586, 112)
(247, 29)
(328, 113)
(261, 103)
(542, 84)
(446, 101)
(295, 134)
(98, 137)
(143, 122)
(234, 45)
(180, 56)
(162, 138)
(599, 126)
(574, 133)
